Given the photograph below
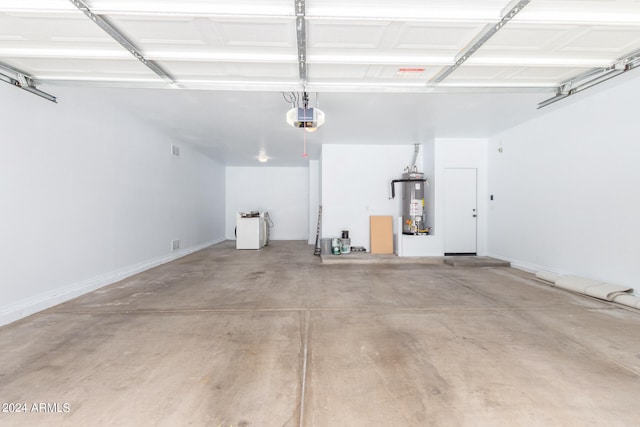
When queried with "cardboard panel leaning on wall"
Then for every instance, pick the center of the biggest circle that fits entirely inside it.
(282, 191)
(381, 234)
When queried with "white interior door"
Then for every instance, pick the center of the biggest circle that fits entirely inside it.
(460, 211)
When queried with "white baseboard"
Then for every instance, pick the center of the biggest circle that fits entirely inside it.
(525, 266)
(28, 306)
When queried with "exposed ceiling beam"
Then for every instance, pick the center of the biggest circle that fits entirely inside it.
(23, 81)
(301, 35)
(489, 31)
(124, 42)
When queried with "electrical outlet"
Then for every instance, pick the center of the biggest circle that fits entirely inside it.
(175, 150)
(175, 245)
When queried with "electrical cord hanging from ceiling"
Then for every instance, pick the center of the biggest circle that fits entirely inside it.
(304, 150)
(292, 98)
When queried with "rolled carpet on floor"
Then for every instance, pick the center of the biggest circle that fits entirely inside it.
(576, 284)
(628, 300)
(607, 291)
(548, 277)
(594, 288)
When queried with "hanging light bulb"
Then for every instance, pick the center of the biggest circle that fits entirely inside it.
(262, 157)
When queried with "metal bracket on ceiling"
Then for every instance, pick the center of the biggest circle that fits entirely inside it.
(23, 81)
(489, 31)
(593, 77)
(301, 32)
(124, 42)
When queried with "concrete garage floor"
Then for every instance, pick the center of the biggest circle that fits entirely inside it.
(274, 338)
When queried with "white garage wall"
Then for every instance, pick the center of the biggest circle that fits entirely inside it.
(282, 191)
(90, 196)
(356, 183)
(566, 187)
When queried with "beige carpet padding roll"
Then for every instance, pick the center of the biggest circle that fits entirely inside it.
(594, 288)
(576, 284)
(548, 277)
(607, 291)
(628, 300)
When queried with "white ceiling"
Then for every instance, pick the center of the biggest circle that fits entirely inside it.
(373, 64)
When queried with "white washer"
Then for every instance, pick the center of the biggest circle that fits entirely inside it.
(251, 231)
